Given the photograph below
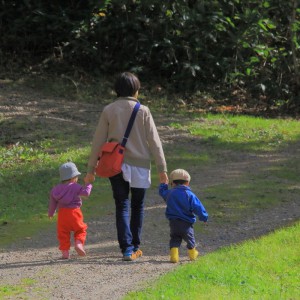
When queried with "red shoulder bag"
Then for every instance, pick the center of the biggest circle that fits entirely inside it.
(111, 154)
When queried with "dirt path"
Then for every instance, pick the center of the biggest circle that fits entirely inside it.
(102, 274)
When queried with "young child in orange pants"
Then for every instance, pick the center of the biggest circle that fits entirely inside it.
(66, 197)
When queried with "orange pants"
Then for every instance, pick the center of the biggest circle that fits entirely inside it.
(68, 220)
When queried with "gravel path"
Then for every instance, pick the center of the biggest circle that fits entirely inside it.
(102, 274)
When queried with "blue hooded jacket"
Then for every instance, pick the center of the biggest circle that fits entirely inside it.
(182, 203)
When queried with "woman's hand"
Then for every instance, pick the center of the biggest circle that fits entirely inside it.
(89, 178)
(163, 177)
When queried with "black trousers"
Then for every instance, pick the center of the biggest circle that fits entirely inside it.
(181, 230)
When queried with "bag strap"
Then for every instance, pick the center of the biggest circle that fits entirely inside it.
(130, 124)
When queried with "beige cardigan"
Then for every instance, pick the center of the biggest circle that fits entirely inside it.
(143, 140)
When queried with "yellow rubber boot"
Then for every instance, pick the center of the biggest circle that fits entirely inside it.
(193, 253)
(174, 255)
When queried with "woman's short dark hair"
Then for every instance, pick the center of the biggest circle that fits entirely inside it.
(127, 84)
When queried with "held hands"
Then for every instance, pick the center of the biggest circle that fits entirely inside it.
(89, 178)
(163, 177)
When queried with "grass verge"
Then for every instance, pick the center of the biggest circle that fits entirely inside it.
(257, 269)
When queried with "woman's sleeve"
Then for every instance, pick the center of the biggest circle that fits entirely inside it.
(155, 144)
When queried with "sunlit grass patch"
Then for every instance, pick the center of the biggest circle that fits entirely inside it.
(43, 151)
(243, 132)
(22, 152)
(267, 268)
(8, 291)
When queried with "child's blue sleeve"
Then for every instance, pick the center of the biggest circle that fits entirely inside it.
(199, 209)
(163, 190)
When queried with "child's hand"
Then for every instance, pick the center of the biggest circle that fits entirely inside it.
(50, 217)
(89, 178)
(205, 223)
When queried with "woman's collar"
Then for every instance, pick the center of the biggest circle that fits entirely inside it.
(128, 98)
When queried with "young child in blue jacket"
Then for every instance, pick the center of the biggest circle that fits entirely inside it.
(182, 208)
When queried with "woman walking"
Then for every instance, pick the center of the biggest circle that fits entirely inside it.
(135, 178)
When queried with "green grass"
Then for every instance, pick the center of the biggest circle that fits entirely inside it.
(267, 268)
(181, 156)
(243, 132)
(9, 291)
(230, 201)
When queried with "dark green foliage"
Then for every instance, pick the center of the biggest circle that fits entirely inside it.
(249, 47)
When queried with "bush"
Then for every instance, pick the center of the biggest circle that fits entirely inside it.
(189, 45)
